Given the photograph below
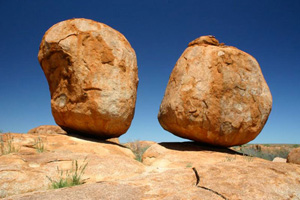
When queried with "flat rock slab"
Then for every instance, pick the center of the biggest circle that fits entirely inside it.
(169, 171)
(27, 170)
(228, 173)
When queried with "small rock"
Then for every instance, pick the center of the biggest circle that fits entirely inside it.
(278, 159)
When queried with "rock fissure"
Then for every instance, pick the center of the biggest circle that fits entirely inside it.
(73, 34)
(217, 193)
(57, 160)
(203, 187)
(92, 88)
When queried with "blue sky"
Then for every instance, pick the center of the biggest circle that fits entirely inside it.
(159, 31)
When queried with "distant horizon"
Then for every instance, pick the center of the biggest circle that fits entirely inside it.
(159, 32)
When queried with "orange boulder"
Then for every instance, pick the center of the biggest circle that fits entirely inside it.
(92, 75)
(216, 94)
(294, 156)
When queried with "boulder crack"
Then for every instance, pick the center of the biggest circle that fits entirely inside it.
(205, 188)
(73, 34)
(92, 88)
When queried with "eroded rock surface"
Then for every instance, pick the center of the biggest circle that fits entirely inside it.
(224, 172)
(49, 129)
(92, 75)
(169, 171)
(216, 94)
(27, 169)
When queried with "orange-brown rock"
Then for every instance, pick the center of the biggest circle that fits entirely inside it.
(27, 169)
(169, 171)
(216, 94)
(294, 156)
(228, 173)
(48, 129)
(92, 75)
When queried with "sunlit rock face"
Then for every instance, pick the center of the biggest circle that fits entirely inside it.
(216, 94)
(92, 75)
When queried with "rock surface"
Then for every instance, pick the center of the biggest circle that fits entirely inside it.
(216, 94)
(27, 169)
(222, 171)
(169, 171)
(294, 156)
(49, 129)
(92, 74)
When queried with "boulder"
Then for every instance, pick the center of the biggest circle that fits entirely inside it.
(216, 94)
(294, 156)
(92, 74)
(47, 129)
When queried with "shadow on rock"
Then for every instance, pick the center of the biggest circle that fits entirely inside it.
(195, 146)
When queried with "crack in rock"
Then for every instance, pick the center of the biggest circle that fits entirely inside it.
(205, 188)
(72, 34)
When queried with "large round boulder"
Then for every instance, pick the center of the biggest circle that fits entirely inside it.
(216, 94)
(92, 75)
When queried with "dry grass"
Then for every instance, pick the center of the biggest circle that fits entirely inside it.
(7, 144)
(68, 178)
(265, 151)
(138, 149)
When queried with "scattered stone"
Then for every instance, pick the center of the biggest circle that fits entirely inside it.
(92, 75)
(278, 159)
(216, 95)
(294, 156)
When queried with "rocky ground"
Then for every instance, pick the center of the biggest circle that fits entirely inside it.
(167, 171)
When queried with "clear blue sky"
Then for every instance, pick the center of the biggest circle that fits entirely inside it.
(159, 31)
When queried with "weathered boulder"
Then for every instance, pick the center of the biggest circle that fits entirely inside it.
(294, 156)
(92, 75)
(216, 94)
(48, 129)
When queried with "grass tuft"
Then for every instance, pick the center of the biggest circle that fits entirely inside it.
(7, 145)
(137, 149)
(3, 194)
(230, 158)
(189, 165)
(39, 145)
(68, 178)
